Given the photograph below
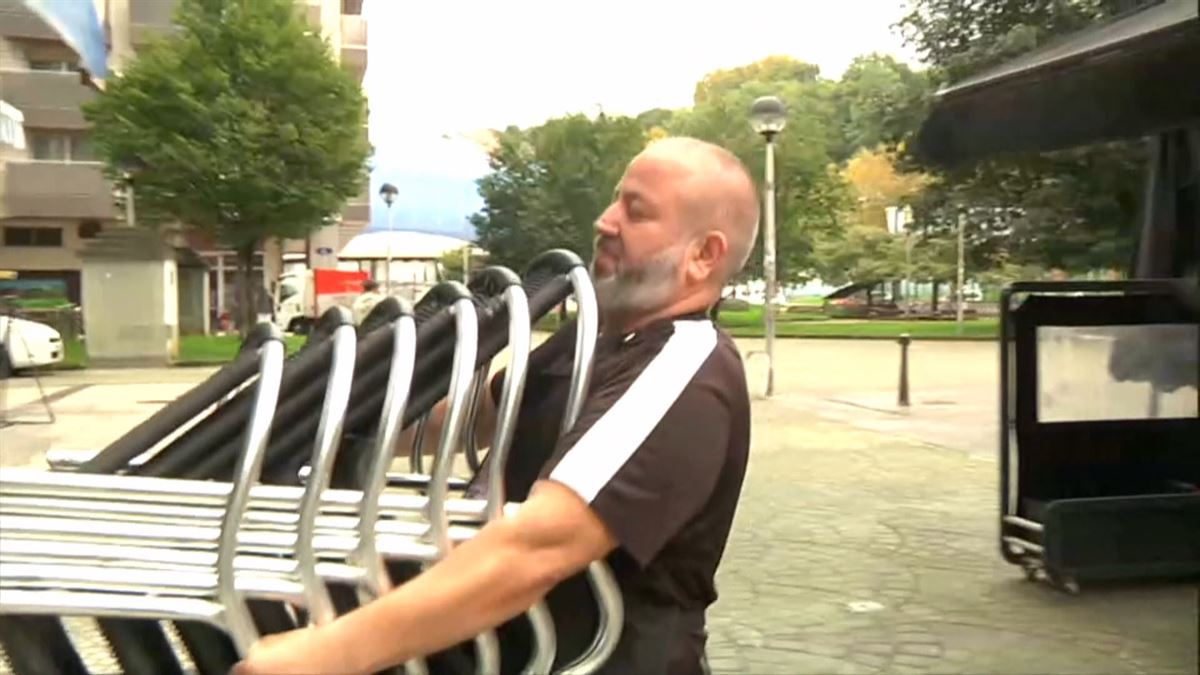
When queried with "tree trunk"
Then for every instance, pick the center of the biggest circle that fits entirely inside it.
(933, 305)
(247, 313)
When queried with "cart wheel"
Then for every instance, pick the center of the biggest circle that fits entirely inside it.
(1067, 585)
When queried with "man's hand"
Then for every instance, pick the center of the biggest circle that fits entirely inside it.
(500, 573)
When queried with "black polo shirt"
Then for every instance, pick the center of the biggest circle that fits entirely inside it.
(659, 452)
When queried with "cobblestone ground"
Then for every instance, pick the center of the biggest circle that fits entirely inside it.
(854, 552)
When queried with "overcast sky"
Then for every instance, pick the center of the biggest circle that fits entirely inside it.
(456, 66)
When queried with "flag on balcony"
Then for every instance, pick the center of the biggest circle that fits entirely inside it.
(77, 22)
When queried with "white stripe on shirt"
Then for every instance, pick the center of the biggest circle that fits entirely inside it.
(611, 441)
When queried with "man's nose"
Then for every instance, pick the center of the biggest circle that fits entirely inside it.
(606, 225)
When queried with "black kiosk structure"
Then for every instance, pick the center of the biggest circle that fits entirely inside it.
(1099, 401)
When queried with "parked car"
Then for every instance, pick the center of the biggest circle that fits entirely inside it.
(27, 344)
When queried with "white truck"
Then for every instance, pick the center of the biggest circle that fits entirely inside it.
(305, 294)
(27, 344)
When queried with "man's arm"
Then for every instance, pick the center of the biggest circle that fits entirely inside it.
(560, 343)
(501, 572)
(485, 426)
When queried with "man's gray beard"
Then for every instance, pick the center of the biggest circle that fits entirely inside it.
(631, 293)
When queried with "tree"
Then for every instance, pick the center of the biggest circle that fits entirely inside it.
(859, 254)
(550, 183)
(810, 195)
(877, 184)
(1075, 209)
(962, 37)
(777, 69)
(452, 263)
(880, 101)
(246, 127)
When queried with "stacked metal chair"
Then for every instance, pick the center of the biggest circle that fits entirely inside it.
(262, 500)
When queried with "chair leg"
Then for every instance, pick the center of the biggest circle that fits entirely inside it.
(140, 646)
(211, 650)
(39, 645)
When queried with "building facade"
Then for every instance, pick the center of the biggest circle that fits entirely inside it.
(53, 196)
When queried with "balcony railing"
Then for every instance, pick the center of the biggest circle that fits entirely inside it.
(18, 21)
(354, 31)
(354, 43)
(48, 99)
(42, 189)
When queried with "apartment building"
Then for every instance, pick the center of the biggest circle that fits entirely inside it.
(53, 196)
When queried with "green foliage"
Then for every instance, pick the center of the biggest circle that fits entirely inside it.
(550, 183)
(452, 264)
(244, 124)
(859, 254)
(962, 37)
(880, 101)
(771, 69)
(810, 195)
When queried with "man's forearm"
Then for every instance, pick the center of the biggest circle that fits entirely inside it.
(485, 421)
(481, 584)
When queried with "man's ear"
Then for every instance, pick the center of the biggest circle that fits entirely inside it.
(710, 254)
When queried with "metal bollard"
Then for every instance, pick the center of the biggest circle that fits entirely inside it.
(904, 342)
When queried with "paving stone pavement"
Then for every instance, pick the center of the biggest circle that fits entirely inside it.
(857, 552)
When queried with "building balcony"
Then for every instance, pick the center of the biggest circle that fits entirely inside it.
(48, 99)
(357, 210)
(354, 43)
(150, 18)
(37, 189)
(18, 21)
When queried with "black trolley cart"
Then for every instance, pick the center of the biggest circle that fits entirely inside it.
(1100, 440)
(1100, 430)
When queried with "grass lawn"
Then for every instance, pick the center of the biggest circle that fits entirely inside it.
(748, 323)
(74, 355)
(197, 350)
(194, 350)
(978, 329)
(214, 349)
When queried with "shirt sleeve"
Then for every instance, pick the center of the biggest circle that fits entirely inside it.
(646, 452)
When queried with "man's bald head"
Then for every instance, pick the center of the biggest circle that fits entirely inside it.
(717, 194)
(681, 224)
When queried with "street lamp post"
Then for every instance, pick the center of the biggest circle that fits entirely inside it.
(129, 170)
(899, 222)
(388, 192)
(768, 116)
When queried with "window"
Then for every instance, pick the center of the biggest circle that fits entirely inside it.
(81, 148)
(52, 65)
(61, 146)
(88, 229)
(1124, 372)
(49, 146)
(33, 236)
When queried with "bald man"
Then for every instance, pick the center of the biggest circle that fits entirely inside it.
(647, 479)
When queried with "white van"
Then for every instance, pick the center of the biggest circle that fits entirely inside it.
(27, 344)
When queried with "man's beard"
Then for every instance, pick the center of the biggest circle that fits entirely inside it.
(635, 291)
